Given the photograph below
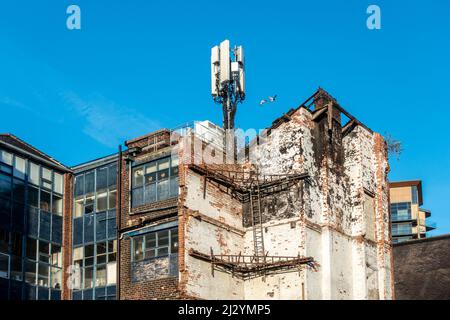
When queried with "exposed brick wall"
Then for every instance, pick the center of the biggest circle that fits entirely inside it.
(67, 235)
(154, 213)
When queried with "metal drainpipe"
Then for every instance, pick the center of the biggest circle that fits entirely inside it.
(118, 219)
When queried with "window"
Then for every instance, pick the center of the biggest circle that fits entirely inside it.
(79, 185)
(45, 201)
(30, 272)
(89, 205)
(102, 201)
(112, 175)
(414, 195)
(401, 229)
(55, 278)
(4, 241)
(34, 173)
(5, 186)
(44, 251)
(57, 204)
(31, 248)
(89, 182)
(46, 180)
(102, 178)
(19, 167)
(43, 270)
(112, 199)
(19, 191)
(154, 181)
(56, 256)
(6, 157)
(155, 244)
(33, 196)
(79, 207)
(4, 265)
(94, 226)
(58, 186)
(401, 211)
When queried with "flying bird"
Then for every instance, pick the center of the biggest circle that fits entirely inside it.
(269, 99)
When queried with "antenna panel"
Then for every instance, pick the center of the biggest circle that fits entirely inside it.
(225, 61)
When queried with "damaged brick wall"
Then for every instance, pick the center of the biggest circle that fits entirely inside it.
(145, 281)
(324, 218)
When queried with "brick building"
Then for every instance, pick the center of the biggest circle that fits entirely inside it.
(300, 213)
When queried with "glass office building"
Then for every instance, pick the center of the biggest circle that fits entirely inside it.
(31, 209)
(94, 239)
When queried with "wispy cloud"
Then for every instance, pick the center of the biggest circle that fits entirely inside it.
(107, 122)
(9, 102)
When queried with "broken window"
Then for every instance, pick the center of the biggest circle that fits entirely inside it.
(155, 181)
(155, 244)
(94, 223)
(57, 204)
(45, 201)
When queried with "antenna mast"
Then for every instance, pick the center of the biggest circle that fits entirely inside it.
(227, 80)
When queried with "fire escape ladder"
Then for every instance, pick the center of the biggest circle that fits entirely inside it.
(257, 221)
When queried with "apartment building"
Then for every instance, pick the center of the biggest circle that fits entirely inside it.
(409, 219)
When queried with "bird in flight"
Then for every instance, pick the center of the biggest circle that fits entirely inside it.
(272, 99)
(269, 99)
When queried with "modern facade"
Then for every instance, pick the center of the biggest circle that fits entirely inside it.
(32, 188)
(302, 212)
(409, 219)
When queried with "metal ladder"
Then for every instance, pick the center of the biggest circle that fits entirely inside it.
(256, 216)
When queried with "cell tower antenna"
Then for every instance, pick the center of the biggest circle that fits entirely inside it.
(227, 80)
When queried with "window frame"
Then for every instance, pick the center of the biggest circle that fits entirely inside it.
(143, 239)
(155, 196)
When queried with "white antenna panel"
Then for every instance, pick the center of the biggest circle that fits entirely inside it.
(214, 70)
(240, 55)
(215, 54)
(225, 61)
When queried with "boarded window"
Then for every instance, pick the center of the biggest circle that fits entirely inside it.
(369, 216)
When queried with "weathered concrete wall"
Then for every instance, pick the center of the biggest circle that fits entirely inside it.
(326, 219)
(422, 269)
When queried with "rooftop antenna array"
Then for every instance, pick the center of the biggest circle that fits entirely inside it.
(227, 79)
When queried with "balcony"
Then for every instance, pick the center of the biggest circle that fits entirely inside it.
(428, 225)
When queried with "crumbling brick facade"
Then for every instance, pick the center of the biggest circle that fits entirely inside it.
(340, 217)
(141, 150)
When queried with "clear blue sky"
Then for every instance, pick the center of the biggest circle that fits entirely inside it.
(140, 65)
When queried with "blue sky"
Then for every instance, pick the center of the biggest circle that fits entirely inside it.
(141, 65)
